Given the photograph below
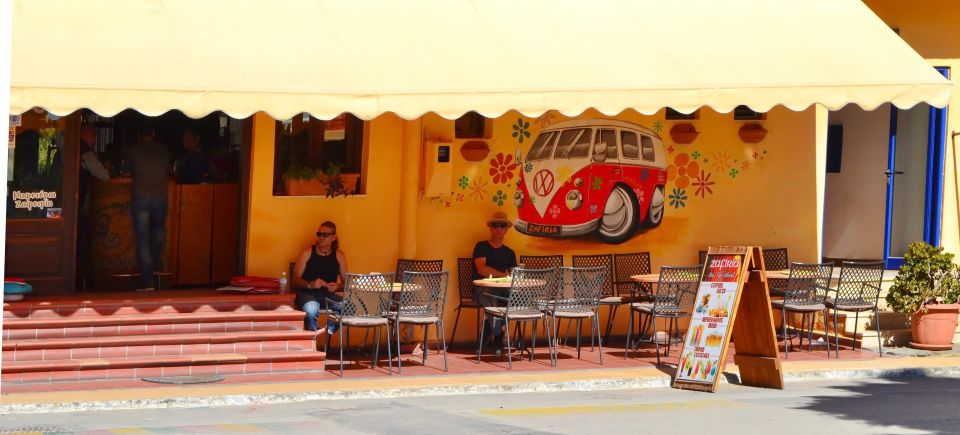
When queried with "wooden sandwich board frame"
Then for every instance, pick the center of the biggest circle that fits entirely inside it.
(749, 321)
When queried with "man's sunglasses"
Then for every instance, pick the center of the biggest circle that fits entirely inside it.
(324, 235)
(499, 226)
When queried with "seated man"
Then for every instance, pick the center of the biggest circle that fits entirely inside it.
(492, 258)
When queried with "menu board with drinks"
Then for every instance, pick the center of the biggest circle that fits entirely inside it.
(710, 323)
(732, 299)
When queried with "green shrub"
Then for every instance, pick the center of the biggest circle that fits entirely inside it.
(928, 276)
(300, 173)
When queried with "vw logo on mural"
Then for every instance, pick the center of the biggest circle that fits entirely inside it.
(543, 182)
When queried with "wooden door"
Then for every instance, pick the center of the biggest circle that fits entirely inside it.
(41, 237)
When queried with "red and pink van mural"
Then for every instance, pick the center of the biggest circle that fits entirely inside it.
(586, 176)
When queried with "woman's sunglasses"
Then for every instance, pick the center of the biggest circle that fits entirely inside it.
(324, 235)
(499, 226)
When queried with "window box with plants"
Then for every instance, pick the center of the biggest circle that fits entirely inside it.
(306, 181)
(927, 289)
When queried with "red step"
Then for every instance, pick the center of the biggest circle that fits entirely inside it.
(151, 345)
(180, 365)
(172, 302)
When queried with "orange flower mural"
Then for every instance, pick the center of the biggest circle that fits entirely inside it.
(501, 168)
(682, 170)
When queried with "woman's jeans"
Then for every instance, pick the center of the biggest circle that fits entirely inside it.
(149, 229)
(312, 301)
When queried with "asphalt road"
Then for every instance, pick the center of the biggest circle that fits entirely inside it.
(894, 406)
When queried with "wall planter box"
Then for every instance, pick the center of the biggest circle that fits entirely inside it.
(320, 185)
(752, 133)
(683, 133)
(474, 150)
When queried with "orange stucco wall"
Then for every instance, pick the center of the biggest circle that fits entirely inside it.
(763, 194)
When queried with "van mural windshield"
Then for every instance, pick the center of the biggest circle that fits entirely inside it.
(543, 147)
(573, 143)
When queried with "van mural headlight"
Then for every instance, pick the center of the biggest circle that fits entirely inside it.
(574, 199)
(518, 199)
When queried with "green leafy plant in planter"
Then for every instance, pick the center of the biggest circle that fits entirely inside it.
(927, 288)
(302, 180)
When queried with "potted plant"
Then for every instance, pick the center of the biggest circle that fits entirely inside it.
(302, 180)
(927, 289)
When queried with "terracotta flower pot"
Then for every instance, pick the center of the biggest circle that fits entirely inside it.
(311, 187)
(934, 329)
(752, 133)
(683, 133)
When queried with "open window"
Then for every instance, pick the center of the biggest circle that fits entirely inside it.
(313, 157)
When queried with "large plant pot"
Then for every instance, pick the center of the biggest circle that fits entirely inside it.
(934, 329)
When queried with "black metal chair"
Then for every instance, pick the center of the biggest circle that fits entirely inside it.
(625, 266)
(530, 290)
(465, 271)
(366, 303)
(577, 298)
(776, 259)
(858, 290)
(673, 300)
(420, 302)
(802, 295)
(541, 261)
(608, 297)
(407, 265)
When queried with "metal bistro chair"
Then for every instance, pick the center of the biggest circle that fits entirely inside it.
(858, 290)
(608, 296)
(541, 261)
(465, 271)
(407, 265)
(802, 295)
(625, 266)
(776, 259)
(673, 299)
(578, 298)
(420, 302)
(528, 295)
(366, 302)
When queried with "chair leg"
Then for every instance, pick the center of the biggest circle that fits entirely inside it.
(443, 338)
(876, 319)
(566, 335)
(610, 321)
(626, 348)
(326, 346)
(533, 343)
(399, 356)
(826, 330)
(856, 323)
(656, 342)
(342, 344)
(479, 344)
(670, 327)
(426, 346)
(786, 340)
(596, 323)
(836, 334)
(389, 353)
(509, 349)
(803, 322)
(376, 348)
(579, 328)
(813, 318)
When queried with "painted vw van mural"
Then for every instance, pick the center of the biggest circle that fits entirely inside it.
(589, 175)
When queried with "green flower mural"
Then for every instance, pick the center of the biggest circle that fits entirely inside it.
(499, 197)
(658, 126)
(463, 182)
(521, 130)
(734, 172)
(597, 183)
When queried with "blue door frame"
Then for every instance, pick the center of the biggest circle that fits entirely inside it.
(933, 195)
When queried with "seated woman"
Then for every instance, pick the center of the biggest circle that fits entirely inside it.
(316, 277)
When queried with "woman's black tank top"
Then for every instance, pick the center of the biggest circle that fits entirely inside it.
(325, 267)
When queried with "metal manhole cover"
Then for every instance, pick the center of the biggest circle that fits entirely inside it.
(181, 380)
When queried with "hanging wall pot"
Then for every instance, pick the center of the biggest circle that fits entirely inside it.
(474, 150)
(683, 133)
(752, 133)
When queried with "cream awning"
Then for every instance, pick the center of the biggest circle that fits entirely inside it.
(451, 56)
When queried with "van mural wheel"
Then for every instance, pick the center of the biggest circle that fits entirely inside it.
(657, 205)
(619, 216)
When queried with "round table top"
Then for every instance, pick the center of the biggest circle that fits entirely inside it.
(394, 287)
(888, 275)
(505, 282)
(647, 277)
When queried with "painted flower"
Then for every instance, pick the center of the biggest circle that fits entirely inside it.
(678, 198)
(521, 130)
(447, 205)
(478, 189)
(546, 119)
(555, 211)
(463, 182)
(644, 174)
(499, 197)
(658, 126)
(695, 155)
(641, 195)
(703, 184)
(682, 170)
(756, 155)
(501, 168)
(460, 197)
(745, 166)
(597, 183)
(670, 149)
(593, 208)
(527, 167)
(722, 161)
(734, 172)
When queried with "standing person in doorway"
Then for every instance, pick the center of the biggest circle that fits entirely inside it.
(90, 169)
(493, 258)
(193, 168)
(149, 163)
(316, 277)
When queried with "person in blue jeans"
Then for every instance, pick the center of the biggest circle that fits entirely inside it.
(319, 273)
(149, 163)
